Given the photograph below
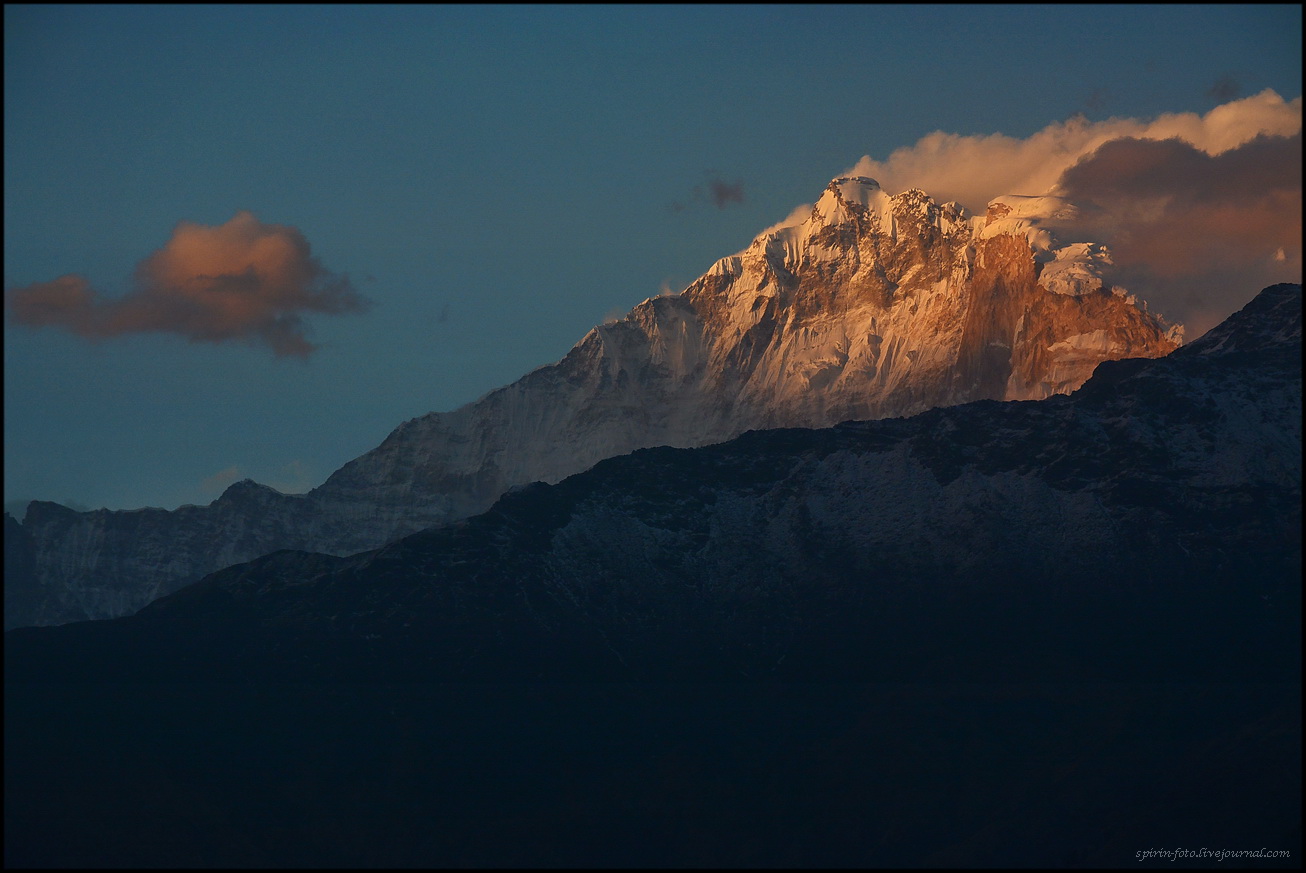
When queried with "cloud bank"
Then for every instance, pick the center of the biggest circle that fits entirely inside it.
(243, 280)
(974, 169)
(1196, 234)
(1199, 211)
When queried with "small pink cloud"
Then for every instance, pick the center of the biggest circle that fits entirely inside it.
(243, 280)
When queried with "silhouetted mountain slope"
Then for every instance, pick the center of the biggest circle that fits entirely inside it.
(1052, 633)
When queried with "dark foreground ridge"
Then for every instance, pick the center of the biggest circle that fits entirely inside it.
(1051, 632)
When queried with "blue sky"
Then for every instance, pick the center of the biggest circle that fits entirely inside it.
(493, 180)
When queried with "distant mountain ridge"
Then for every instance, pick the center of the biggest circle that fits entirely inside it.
(873, 306)
(1148, 525)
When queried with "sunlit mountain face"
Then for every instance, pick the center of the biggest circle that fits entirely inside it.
(867, 306)
(1000, 632)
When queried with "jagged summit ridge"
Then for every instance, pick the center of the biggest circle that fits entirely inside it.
(872, 306)
(850, 203)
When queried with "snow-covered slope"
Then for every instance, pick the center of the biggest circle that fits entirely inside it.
(873, 306)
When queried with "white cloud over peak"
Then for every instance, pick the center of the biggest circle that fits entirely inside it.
(974, 169)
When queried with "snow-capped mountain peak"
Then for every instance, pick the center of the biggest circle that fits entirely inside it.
(870, 306)
(850, 195)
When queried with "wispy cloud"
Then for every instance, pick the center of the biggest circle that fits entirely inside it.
(218, 482)
(724, 193)
(294, 478)
(242, 280)
(1098, 100)
(716, 191)
(1225, 88)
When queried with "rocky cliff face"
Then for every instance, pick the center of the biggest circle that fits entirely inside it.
(874, 306)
